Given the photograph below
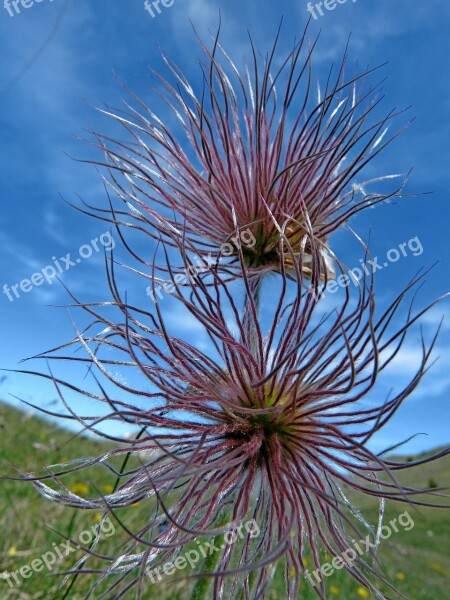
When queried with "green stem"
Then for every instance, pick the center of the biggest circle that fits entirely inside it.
(209, 564)
(255, 293)
(202, 586)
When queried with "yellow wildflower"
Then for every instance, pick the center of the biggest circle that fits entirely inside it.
(79, 488)
(437, 567)
(334, 590)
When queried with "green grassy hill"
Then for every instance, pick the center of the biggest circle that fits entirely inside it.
(417, 561)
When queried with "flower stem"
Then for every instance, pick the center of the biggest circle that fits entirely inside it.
(250, 318)
(209, 564)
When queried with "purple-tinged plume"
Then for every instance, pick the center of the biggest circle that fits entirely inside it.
(267, 427)
(263, 150)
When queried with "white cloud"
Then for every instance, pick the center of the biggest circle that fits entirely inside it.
(406, 364)
(433, 318)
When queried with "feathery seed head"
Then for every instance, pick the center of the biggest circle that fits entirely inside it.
(256, 150)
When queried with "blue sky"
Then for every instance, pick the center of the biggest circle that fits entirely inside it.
(59, 58)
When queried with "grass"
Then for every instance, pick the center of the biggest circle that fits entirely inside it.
(417, 561)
